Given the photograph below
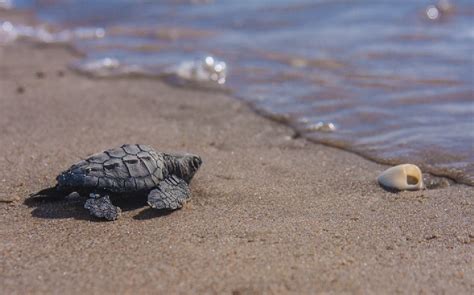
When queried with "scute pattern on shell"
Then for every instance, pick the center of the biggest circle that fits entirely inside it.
(128, 168)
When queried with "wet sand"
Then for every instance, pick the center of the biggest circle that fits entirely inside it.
(269, 214)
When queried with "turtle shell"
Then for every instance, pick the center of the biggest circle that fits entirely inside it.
(129, 168)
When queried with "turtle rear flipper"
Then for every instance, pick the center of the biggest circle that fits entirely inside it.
(102, 207)
(171, 194)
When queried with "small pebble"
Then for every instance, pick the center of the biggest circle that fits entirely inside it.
(20, 89)
(431, 237)
(434, 182)
(40, 75)
(5, 198)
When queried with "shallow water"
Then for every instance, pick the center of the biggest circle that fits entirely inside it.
(390, 80)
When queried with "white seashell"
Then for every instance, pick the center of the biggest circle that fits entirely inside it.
(402, 177)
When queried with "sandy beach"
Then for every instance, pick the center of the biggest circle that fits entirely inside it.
(269, 214)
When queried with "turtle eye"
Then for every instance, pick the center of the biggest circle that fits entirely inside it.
(196, 162)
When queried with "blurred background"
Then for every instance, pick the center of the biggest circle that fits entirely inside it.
(390, 80)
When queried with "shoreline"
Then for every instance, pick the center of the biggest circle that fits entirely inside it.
(437, 171)
(435, 176)
(269, 214)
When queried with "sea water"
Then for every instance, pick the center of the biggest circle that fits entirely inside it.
(389, 80)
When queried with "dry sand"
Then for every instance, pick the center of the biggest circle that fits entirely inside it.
(269, 214)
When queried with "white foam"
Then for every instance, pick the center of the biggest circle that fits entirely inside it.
(10, 32)
(208, 69)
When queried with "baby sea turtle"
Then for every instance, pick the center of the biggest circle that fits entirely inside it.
(131, 169)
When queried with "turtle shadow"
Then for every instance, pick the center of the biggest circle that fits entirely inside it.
(52, 204)
(150, 213)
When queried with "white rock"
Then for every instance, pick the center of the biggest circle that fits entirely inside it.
(402, 177)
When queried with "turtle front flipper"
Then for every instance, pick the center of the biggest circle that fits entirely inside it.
(101, 207)
(171, 193)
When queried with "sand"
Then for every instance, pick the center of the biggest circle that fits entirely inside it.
(269, 214)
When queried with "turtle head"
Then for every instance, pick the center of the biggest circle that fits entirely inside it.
(183, 165)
